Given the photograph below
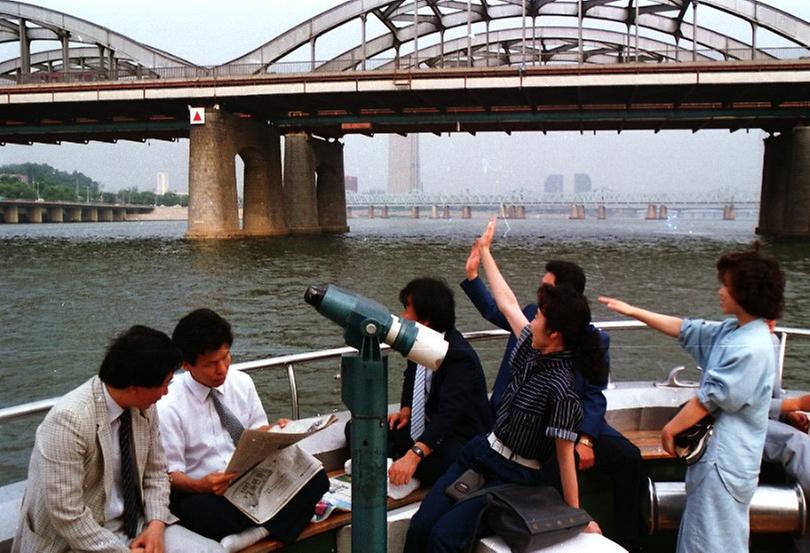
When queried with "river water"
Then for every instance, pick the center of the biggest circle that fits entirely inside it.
(65, 290)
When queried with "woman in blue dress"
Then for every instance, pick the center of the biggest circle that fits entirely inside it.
(735, 388)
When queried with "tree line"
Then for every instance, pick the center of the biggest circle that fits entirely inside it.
(32, 181)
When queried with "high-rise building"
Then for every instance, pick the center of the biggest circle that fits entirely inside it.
(403, 164)
(162, 184)
(582, 183)
(351, 183)
(553, 185)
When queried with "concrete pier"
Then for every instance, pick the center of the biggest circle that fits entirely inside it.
(35, 214)
(73, 215)
(729, 213)
(331, 185)
(89, 215)
(415, 212)
(652, 212)
(520, 212)
(105, 214)
(446, 212)
(119, 215)
(662, 212)
(263, 207)
(371, 212)
(384, 212)
(785, 198)
(466, 212)
(601, 212)
(11, 214)
(434, 211)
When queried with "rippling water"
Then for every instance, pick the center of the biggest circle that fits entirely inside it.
(67, 289)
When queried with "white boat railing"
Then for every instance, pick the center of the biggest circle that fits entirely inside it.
(289, 362)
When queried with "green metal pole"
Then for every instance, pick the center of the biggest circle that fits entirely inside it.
(364, 390)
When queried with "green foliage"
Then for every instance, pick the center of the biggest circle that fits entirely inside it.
(16, 190)
(54, 184)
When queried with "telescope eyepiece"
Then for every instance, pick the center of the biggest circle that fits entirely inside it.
(314, 295)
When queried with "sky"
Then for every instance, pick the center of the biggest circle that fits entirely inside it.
(206, 33)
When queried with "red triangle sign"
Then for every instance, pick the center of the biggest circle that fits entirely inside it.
(196, 117)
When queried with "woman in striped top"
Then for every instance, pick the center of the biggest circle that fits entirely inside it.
(537, 420)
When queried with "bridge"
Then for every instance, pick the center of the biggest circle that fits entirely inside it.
(43, 211)
(513, 204)
(421, 66)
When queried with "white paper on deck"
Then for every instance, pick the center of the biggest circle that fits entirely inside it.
(256, 445)
(264, 490)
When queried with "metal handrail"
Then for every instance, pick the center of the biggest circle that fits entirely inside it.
(289, 362)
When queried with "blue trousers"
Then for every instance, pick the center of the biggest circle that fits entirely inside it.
(441, 525)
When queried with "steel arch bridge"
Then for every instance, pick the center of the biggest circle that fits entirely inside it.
(419, 34)
(442, 33)
(73, 45)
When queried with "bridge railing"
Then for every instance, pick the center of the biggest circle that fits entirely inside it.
(453, 60)
(289, 363)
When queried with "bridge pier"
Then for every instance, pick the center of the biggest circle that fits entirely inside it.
(434, 211)
(577, 212)
(520, 212)
(263, 206)
(785, 197)
(415, 212)
(446, 212)
(331, 185)
(105, 214)
(502, 211)
(652, 212)
(371, 212)
(35, 214)
(11, 214)
(55, 215)
(119, 215)
(601, 212)
(466, 212)
(729, 213)
(662, 212)
(384, 214)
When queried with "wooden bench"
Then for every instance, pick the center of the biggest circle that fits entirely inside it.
(649, 443)
(335, 520)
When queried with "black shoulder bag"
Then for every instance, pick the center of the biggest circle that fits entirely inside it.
(530, 517)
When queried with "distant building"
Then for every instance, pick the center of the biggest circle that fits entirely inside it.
(162, 184)
(403, 164)
(351, 183)
(553, 185)
(582, 183)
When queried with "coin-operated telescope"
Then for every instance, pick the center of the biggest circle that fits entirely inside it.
(364, 390)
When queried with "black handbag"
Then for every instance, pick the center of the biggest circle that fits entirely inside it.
(690, 444)
(528, 518)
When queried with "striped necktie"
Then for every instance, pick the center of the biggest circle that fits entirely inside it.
(418, 403)
(129, 488)
(226, 416)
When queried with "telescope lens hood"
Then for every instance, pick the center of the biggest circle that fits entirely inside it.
(314, 295)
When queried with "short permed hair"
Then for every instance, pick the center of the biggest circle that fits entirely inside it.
(140, 356)
(432, 300)
(199, 332)
(567, 273)
(756, 282)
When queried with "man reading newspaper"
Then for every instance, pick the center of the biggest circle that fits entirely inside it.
(202, 418)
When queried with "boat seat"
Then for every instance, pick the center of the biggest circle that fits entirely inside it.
(648, 442)
(335, 520)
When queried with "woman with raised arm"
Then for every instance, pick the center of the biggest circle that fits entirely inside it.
(538, 417)
(735, 388)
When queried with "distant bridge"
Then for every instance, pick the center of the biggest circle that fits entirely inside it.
(40, 211)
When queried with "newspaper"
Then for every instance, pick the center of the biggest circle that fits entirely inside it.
(265, 489)
(257, 445)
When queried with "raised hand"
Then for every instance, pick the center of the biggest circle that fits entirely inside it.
(489, 232)
(619, 306)
(473, 261)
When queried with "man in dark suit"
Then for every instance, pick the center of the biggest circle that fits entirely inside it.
(599, 445)
(439, 411)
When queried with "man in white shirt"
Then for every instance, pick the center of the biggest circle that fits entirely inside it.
(84, 492)
(202, 416)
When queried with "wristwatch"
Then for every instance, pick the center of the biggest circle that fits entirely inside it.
(418, 451)
(586, 441)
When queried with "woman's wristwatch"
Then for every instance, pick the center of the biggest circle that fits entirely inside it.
(418, 451)
(586, 441)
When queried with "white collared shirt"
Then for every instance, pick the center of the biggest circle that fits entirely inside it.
(195, 442)
(114, 506)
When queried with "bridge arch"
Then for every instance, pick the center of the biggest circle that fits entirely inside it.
(405, 27)
(84, 47)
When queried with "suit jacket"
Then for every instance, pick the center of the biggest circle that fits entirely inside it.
(69, 476)
(457, 402)
(593, 400)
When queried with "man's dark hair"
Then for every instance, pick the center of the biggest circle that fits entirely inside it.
(199, 332)
(755, 282)
(567, 273)
(567, 312)
(140, 356)
(432, 300)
